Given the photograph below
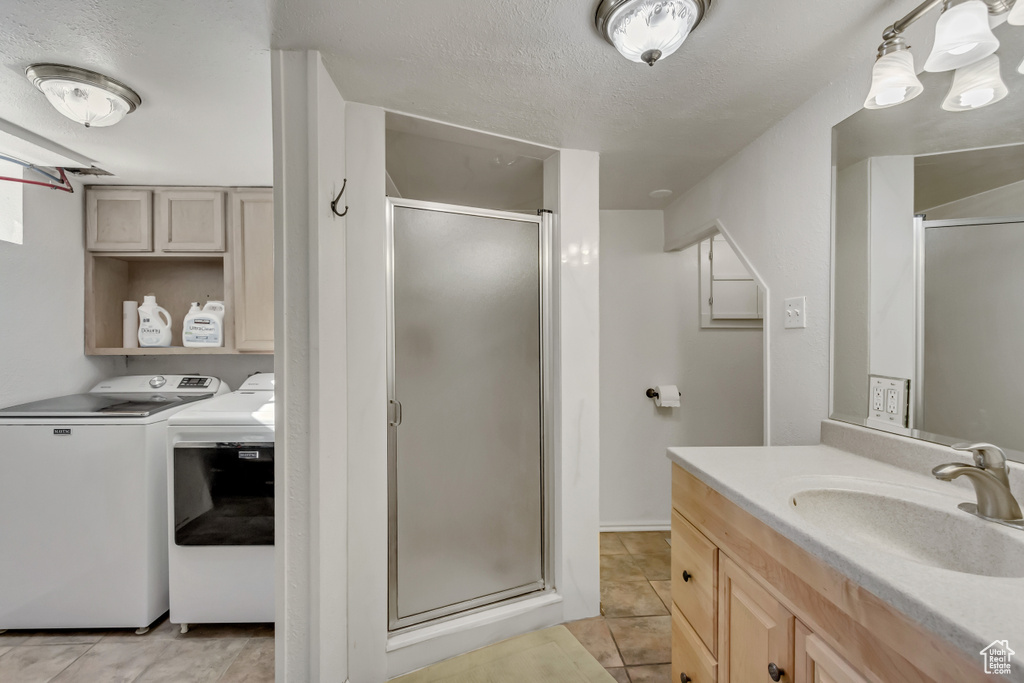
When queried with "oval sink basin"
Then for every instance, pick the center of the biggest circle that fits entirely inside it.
(933, 533)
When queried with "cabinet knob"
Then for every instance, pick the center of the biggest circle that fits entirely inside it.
(687, 575)
(775, 672)
(683, 678)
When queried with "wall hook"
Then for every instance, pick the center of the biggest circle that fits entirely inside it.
(334, 204)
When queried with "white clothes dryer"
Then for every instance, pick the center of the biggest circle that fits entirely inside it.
(83, 503)
(221, 508)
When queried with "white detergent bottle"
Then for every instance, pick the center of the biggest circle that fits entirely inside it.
(154, 324)
(204, 328)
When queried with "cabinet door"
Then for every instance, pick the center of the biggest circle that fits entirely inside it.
(691, 661)
(190, 220)
(816, 662)
(118, 220)
(755, 630)
(252, 244)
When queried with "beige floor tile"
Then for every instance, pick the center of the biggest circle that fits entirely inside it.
(38, 663)
(4, 649)
(254, 664)
(630, 599)
(594, 635)
(656, 673)
(611, 545)
(619, 675)
(160, 630)
(643, 640)
(114, 661)
(644, 542)
(664, 591)
(62, 637)
(620, 568)
(220, 631)
(656, 567)
(193, 661)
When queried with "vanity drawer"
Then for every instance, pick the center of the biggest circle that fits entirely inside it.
(695, 579)
(689, 656)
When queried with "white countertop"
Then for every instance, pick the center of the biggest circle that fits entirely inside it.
(967, 610)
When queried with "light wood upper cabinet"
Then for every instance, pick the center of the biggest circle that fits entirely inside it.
(816, 662)
(189, 220)
(252, 239)
(118, 220)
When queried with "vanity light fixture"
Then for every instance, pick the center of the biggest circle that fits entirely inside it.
(1016, 16)
(893, 79)
(84, 96)
(962, 36)
(964, 42)
(648, 30)
(976, 86)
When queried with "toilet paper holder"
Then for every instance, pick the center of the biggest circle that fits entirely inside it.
(652, 393)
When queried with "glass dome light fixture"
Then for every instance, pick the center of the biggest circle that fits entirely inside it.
(963, 36)
(893, 79)
(648, 30)
(976, 86)
(84, 96)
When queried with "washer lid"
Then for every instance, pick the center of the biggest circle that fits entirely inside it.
(101, 405)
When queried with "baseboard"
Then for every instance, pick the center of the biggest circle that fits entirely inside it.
(618, 528)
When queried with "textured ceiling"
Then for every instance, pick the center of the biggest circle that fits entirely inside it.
(538, 70)
(202, 68)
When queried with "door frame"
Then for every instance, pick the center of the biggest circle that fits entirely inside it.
(549, 350)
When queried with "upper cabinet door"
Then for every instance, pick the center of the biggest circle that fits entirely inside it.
(118, 220)
(252, 246)
(755, 630)
(190, 220)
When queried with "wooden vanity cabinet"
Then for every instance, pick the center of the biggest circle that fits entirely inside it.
(773, 603)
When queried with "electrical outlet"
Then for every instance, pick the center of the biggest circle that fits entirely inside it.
(796, 312)
(889, 401)
(877, 398)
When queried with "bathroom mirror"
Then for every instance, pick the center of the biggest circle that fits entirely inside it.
(928, 265)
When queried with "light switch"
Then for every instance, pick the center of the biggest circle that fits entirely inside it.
(796, 312)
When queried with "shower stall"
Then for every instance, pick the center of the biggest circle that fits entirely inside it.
(470, 341)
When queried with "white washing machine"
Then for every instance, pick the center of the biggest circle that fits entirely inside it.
(83, 503)
(221, 508)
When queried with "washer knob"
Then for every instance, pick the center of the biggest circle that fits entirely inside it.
(157, 382)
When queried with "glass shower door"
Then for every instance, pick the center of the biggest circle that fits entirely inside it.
(466, 441)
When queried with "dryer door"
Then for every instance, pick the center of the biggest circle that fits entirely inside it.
(224, 494)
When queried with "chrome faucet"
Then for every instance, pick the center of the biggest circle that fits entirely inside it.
(991, 483)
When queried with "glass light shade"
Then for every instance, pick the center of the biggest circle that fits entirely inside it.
(976, 86)
(893, 81)
(1016, 16)
(86, 104)
(642, 26)
(962, 37)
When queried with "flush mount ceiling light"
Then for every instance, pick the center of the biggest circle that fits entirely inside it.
(648, 30)
(976, 86)
(963, 40)
(84, 96)
(660, 194)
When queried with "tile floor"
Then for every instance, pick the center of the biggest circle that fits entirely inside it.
(233, 653)
(633, 640)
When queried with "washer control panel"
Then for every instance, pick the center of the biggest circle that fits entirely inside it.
(194, 382)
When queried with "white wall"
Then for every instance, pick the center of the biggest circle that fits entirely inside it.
(651, 334)
(774, 198)
(42, 306)
(1002, 201)
(309, 285)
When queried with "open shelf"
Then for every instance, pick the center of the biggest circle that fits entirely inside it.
(172, 351)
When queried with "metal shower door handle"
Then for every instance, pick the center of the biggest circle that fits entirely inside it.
(392, 403)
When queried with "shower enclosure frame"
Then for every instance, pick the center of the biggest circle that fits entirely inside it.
(549, 400)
